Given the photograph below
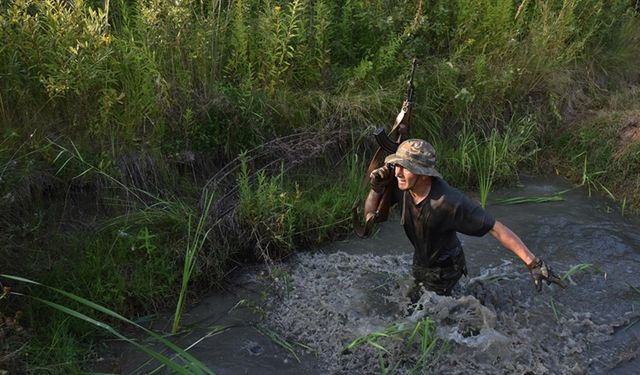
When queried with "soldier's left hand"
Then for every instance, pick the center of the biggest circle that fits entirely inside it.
(541, 271)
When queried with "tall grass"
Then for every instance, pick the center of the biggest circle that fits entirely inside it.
(601, 153)
(483, 159)
(191, 364)
(129, 77)
(283, 210)
(195, 242)
(267, 207)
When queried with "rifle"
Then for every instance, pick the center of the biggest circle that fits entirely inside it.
(400, 132)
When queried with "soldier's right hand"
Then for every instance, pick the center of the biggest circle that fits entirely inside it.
(380, 178)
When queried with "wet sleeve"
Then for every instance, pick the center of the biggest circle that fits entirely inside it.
(471, 219)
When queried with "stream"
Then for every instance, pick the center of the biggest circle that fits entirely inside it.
(297, 317)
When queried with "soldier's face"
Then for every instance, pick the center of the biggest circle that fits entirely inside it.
(406, 179)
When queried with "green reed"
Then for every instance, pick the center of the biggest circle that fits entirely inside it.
(190, 365)
(195, 241)
(268, 207)
(484, 159)
(554, 309)
(580, 268)
(428, 341)
(127, 72)
(555, 197)
(576, 269)
(419, 335)
(281, 341)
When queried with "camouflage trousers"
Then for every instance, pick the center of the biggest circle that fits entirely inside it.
(439, 278)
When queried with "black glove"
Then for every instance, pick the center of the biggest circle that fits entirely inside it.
(380, 178)
(541, 271)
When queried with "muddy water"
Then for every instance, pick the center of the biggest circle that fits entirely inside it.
(495, 322)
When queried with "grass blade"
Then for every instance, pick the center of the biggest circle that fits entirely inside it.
(556, 197)
(188, 358)
(575, 269)
(277, 339)
(163, 359)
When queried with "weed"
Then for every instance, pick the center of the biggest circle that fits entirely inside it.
(554, 309)
(280, 341)
(269, 209)
(195, 241)
(191, 364)
(579, 268)
(575, 269)
(555, 197)
(420, 333)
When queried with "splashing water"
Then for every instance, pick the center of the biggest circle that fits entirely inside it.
(490, 325)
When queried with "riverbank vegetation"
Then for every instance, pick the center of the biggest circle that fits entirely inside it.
(149, 147)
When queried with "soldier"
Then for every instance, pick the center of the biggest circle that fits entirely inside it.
(433, 213)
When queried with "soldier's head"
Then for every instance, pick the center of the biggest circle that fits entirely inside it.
(418, 158)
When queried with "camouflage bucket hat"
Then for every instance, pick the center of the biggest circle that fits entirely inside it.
(417, 156)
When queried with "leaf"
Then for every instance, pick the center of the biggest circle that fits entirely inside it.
(189, 359)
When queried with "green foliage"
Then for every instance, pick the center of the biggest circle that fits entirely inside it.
(281, 29)
(319, 55)
(238, 64)
(187, 74)
(189, 365)
(416, 337)
(311, 209)
(602, 153)
(56, 60)
(268, 208)
(130, 272)
(195, 241)
(485, 159)
(324, 208)
(57, 349)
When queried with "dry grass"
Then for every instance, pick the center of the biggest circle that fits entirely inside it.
(629, 134)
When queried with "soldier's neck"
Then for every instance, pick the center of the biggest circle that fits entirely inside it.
(421, 189)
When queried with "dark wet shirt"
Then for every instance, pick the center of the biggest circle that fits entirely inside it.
(432, 224)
